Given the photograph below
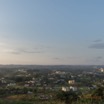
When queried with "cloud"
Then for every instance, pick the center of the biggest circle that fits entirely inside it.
(28, 51)
(73, 57)
(17, 53)
(95, 59)
(97, 41)
(97, 46)
(21, 51)
(7, 48)
(42, 47)
(99, 58)
(56, 58)
(66, 58)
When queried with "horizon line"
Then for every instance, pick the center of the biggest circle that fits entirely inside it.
(52, 64)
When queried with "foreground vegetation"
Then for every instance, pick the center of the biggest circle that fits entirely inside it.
(97, 97)
(50, 102)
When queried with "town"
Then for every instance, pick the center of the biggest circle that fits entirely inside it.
(42, 83)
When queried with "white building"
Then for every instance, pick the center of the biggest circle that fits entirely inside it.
(65, 89)
(11, 84)
(73, 88)
(71, 81)
(101, 70)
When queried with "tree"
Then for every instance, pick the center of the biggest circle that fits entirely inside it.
(99, 92)
(67, 97)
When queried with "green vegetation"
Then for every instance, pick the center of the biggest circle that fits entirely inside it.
(50, 102)
(14, 102)
(31, 86)
(67, 97)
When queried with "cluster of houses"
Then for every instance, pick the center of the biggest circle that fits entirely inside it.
(52, 80)
(101, 70)
(72, 86)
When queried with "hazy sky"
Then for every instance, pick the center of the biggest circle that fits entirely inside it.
(52, 32)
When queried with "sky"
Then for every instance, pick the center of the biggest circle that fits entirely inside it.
(52, 32)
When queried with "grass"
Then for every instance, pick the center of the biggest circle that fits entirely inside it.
(49, 102)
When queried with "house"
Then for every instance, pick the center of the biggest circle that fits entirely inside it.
(73, 88)
(3, 81)
(11, 84)
(26, 85)
(65, 89)
(101, 70)
(71, 81)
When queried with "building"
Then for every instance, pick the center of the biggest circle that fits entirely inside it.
(73, 88)
(65, 89)
(71, 81)
(101, 70)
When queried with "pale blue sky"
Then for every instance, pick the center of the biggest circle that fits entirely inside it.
(51, 31)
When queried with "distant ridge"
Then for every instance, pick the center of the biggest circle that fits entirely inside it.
(52, 66)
